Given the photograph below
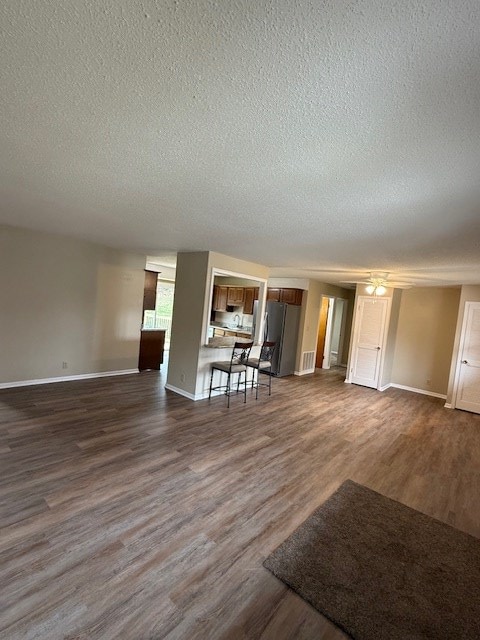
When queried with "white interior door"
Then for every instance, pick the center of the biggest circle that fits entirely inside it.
(468, 388)
(369, 338)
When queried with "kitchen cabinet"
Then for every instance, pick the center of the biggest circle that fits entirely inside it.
(290, 296)
(250, 295)
(152, 343)
(273, 294)
(225, 297)
(235, 296)
(150, 290)
(232, 333)
(243, 334)
(220, 294)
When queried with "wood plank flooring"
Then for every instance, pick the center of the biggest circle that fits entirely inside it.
(130, 512)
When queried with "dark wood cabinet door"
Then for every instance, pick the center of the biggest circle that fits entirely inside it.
(273, 294)
(235, 296)
(149, 299)
(220, 298)
(151, 349)
(151, 278)
(150, 290)
(291, 296)
(249, 297)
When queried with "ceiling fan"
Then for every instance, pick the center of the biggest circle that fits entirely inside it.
(378, 282)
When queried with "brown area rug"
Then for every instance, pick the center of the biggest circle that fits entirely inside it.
(383, 571)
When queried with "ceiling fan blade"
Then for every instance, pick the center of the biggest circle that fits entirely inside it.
(387, 283)
(400, 285)
(355, 282)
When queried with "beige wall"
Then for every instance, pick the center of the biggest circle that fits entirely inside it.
(389, 353)
(65, 300)
(187, 321)
(307, 335)
(289, 283)
(469, 293)
(236, 282)
(236, 266)
(425, 338)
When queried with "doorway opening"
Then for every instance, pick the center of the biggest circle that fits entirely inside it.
(331, 333)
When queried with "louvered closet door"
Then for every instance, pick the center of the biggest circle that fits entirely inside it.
(369, 340)
(468, 390)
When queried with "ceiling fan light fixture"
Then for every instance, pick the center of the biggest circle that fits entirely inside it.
(377, 283)
(376, 288)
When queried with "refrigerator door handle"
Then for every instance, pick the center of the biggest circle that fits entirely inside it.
(265, 327)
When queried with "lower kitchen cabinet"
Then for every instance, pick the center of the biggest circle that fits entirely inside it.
(152, 343)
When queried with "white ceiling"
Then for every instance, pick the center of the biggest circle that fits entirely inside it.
(325, 139)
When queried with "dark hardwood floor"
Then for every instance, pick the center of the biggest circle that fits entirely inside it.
(130, 512)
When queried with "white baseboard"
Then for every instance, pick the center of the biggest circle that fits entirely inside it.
(424, 392)
(82, 376)
(304, 372)
(448, 405)
(385, 387)
(204, 394)
(191, 396)
(181, 392)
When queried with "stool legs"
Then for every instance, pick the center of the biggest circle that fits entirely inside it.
(255, 380)
(228, 386)
(228, 390)
(211, 381)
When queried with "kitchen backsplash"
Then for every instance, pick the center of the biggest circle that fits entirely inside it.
(225, 317)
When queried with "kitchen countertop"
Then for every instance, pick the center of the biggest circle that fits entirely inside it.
(222, 342)
(226, 327)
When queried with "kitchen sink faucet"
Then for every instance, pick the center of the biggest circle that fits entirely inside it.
(236, 320)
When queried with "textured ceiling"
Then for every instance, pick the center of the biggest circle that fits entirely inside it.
(324, 139)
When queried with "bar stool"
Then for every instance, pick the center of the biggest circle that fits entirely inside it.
(236, 364)
(263, 364)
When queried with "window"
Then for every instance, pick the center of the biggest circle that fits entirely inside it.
(161, 318)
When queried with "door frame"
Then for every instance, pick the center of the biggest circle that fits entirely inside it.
(332, 310)
(328, 333)
(340, 306)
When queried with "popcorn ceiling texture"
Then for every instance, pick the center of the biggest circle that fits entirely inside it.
(335, 135)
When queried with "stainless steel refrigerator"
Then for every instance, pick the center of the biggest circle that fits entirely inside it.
(282, 322)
